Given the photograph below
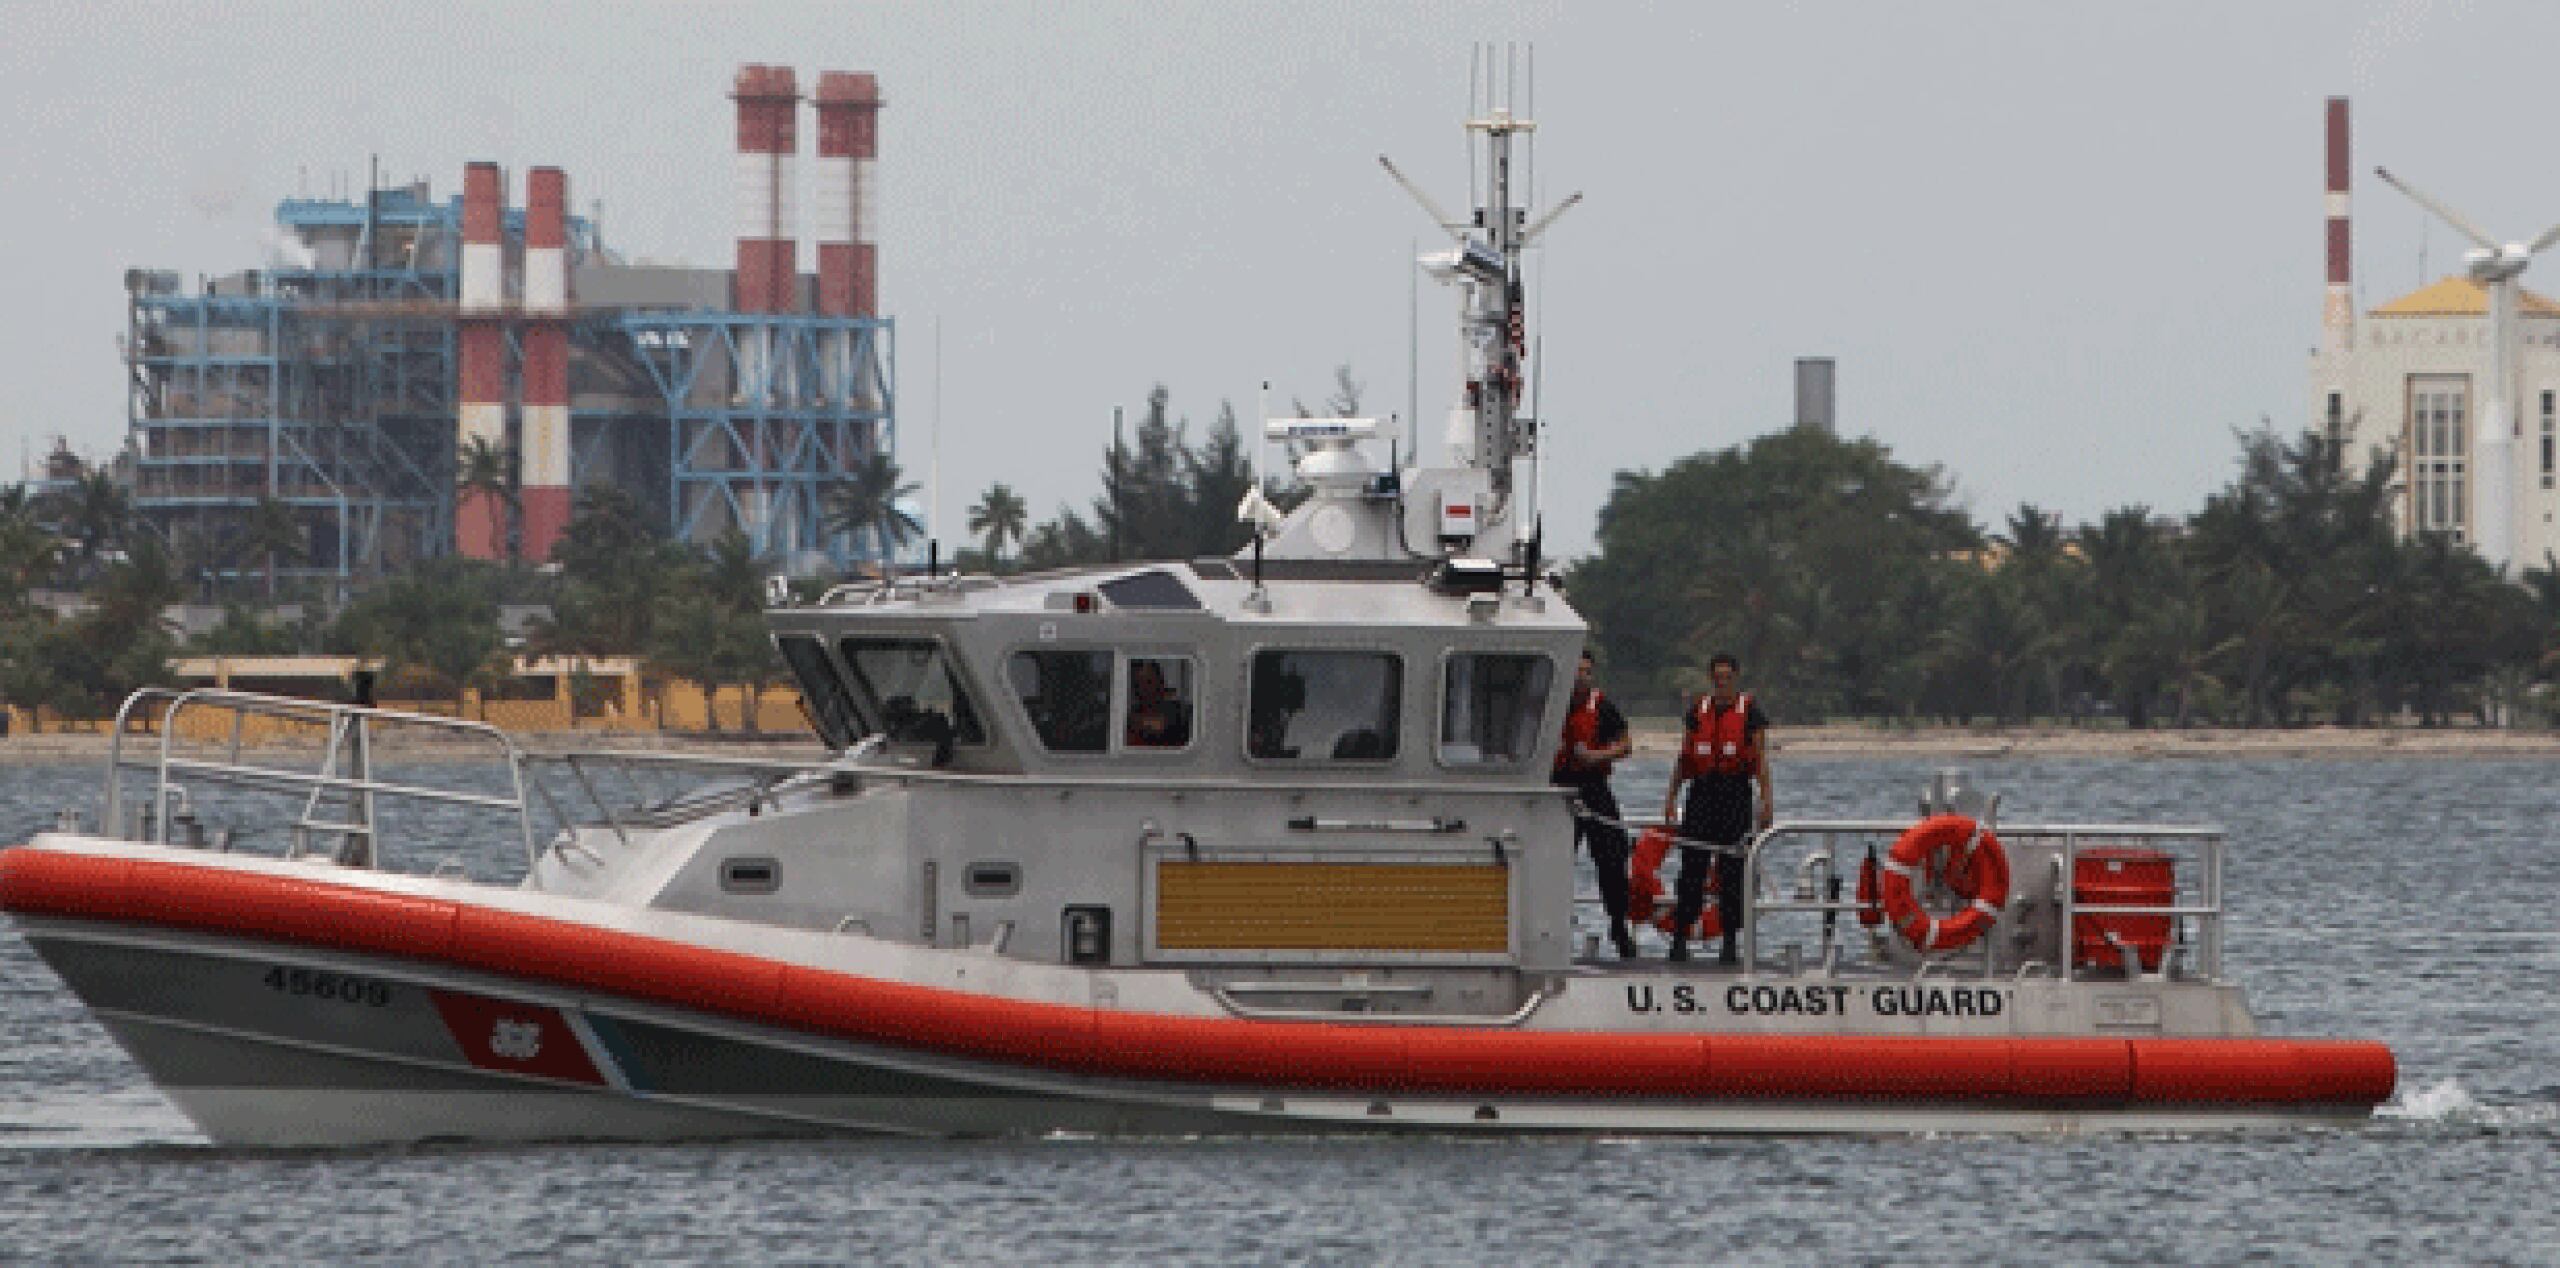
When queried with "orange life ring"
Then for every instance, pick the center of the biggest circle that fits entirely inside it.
(1982, 879)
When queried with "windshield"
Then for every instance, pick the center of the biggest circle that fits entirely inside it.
(830, 707)
(909, 685)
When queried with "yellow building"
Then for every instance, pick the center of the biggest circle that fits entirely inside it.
(541, 694)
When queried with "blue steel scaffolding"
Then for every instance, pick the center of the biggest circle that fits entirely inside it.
(326, 386)
(765, 414)
(329, 387)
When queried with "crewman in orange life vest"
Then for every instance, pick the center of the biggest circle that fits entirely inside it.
(1723, 753)
(1595, 736)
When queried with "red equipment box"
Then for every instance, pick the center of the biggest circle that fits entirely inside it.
(2121, 876)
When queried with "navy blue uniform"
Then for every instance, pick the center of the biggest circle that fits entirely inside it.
(1715, 819)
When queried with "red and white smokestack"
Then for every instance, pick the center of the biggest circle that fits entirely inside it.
(768, 100)
(480, 520)
(546, 360)
(848, 109)
(2338, 323)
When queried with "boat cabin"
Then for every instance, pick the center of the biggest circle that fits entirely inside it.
(1162, 763)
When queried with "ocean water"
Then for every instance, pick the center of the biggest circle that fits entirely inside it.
(2407, 901)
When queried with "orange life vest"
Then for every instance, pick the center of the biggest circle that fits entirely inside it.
(1645, 893)
(1581, 728)
(1720, 741)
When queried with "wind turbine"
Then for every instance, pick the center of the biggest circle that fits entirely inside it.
(2496, 266)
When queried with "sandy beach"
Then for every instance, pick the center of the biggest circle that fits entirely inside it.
(1660, 737)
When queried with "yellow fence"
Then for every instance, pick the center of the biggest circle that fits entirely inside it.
(679, 705)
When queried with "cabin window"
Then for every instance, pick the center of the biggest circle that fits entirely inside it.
(1068, 697)
(1490, 704)
(1334, 706)
(750, 875)
(911, 688)
(992, 880)
(1161, 701)
(830, 706)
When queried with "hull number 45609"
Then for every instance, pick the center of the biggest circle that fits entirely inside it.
(315, 984)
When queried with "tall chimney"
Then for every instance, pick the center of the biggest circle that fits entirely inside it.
(546, 360)
(1817, 409)
(768, 137)
(479, 520)
(2338, 321)
(848, 110)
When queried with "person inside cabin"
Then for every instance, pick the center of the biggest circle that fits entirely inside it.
(1595, 738)
(1724, 753)
(1158, 716)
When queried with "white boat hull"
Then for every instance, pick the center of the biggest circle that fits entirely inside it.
(275, 1006)
(247, 1087)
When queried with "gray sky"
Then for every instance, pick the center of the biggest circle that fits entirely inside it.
(2061, 249)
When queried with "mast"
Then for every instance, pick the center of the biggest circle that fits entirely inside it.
(1492, 433)
(1468, 493)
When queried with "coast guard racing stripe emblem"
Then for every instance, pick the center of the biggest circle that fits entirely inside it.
(517, 1038)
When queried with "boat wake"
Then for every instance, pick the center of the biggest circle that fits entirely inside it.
(2446, 1101)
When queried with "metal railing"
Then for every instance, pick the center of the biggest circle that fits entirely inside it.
(343, 770)
(344, 767)
(756, 783)
(1827, 839)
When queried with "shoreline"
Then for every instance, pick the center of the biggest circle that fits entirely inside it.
(1654, 738)
(1660, 738)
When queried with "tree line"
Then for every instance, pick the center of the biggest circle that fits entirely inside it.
(1852, 586)
(1850, 583)
(622, 587)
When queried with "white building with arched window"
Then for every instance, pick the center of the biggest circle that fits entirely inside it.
(2409, 377)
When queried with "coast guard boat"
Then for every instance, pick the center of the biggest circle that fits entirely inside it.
(1250, 845)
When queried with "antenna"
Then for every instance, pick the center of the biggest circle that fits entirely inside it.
(1529, 153)
(1537, 425)
(933, 460)
(1413, 346)
(1475, 67)
(1119, 478)
(1454, 227)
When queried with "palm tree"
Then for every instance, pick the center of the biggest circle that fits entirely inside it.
(1000, 516)
(27, 551)
(271, 533)
(2034, 535)
(866, 503)
(136, 594)
(488, 470)
(732, 578)
(1985, 653)
(734, 573)
(97, 513)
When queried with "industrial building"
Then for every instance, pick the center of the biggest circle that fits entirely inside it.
(351, 379)
(2422, 377)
